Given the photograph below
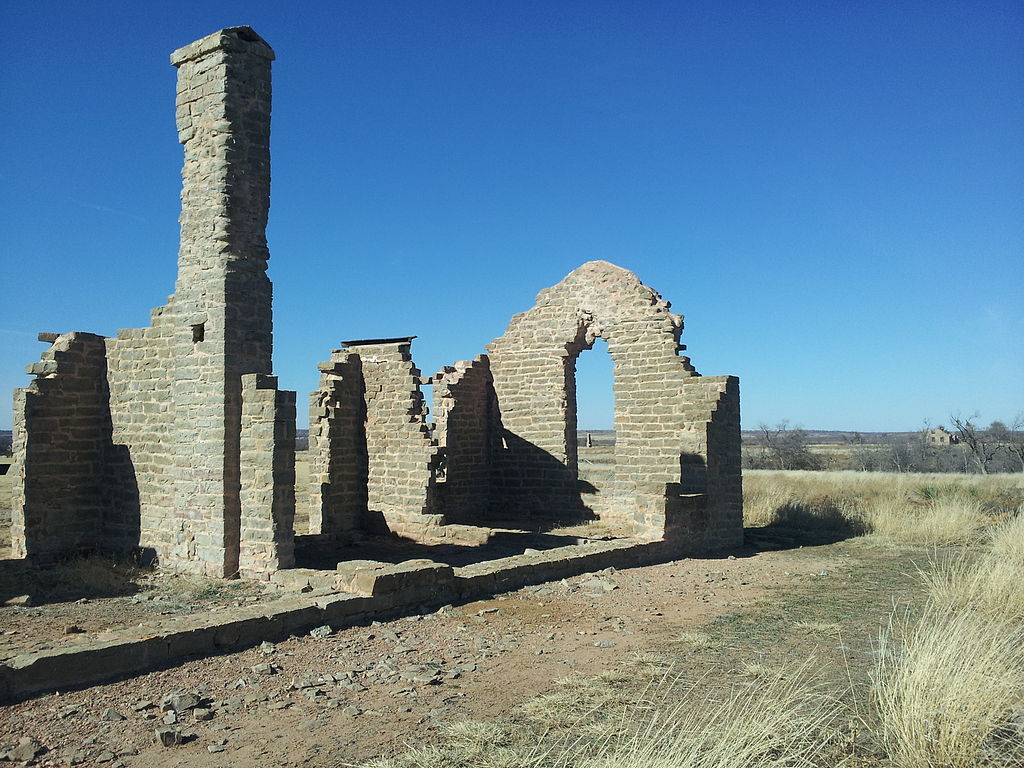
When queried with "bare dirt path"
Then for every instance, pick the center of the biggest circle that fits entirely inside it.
(364, 691)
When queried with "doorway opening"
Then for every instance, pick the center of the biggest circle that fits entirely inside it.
(595, 426)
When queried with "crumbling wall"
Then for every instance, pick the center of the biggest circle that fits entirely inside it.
(370, 403)
(661, 420)
(62, 437)
(140, 367)
(173, 473)
(402, 458)
(222, 298)
(465, 428)
(337, 448)
(267, 464)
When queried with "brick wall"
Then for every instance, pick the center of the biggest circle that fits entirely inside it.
(171, 476)
(665, 425)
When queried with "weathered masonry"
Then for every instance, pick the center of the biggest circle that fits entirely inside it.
(140, 440)
(503, 451)
(176, 439)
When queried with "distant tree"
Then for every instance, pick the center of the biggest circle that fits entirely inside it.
(786, 448)
(982, 445)
(911, 453)
(1011, 440)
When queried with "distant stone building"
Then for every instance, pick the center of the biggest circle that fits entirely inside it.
(940, 436)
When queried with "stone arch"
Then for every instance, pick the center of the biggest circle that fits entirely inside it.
(663, 407)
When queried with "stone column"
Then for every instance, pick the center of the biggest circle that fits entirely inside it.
(222, 301)
(268, 477)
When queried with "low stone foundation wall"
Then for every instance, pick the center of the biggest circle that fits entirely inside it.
(356, 592)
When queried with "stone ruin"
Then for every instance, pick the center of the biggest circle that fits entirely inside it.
(176, 440)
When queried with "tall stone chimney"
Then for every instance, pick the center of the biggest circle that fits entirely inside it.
(222, 301)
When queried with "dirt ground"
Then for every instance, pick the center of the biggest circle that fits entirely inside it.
(371, 690)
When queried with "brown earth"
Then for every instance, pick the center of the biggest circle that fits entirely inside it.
(370, 690)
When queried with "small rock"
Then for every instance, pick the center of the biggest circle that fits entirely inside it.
(264, 669)
(142, 706)
(27, 749)
(604, 644)
(21, 601)
(179, 702)
(321, 632)
(111, 715)
(201, 713)
(215, 748)
(169, 737)
(267, 648)
(73, 629)
(170, 718)
(601, 584)
(352, 710)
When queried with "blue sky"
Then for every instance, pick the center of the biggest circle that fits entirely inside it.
(833, 194)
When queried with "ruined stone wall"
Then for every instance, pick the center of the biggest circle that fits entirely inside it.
(140, 367)
(661, 419)
(337, 448)
(374, 462)
(714, 420)
(267, 464)
(61, 443)
(402, 458)
(173, 468)
(465, 428)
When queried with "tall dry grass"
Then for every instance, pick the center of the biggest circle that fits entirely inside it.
(783, 721)
(949, 683)
(948, 687)
(915, 509)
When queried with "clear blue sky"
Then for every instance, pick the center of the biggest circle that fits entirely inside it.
(833, 194)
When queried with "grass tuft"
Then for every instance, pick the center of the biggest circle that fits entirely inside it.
(946, 688)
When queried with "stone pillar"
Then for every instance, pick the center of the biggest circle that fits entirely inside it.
(222, 301)
(267, 462)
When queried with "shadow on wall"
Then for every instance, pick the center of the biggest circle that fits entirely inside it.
(533, 490)
(122, 512)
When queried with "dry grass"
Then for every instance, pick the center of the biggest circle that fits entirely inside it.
(989, 583)
(947, 687)
(823, 628)
(694, 639)
(780, 721)
(91, 575)
(579, 702)
(914, 509)
(949, 684)
(940, 523)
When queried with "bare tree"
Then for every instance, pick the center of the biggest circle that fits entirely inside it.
(981, 444)
(785, 448)
(1011, 439)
